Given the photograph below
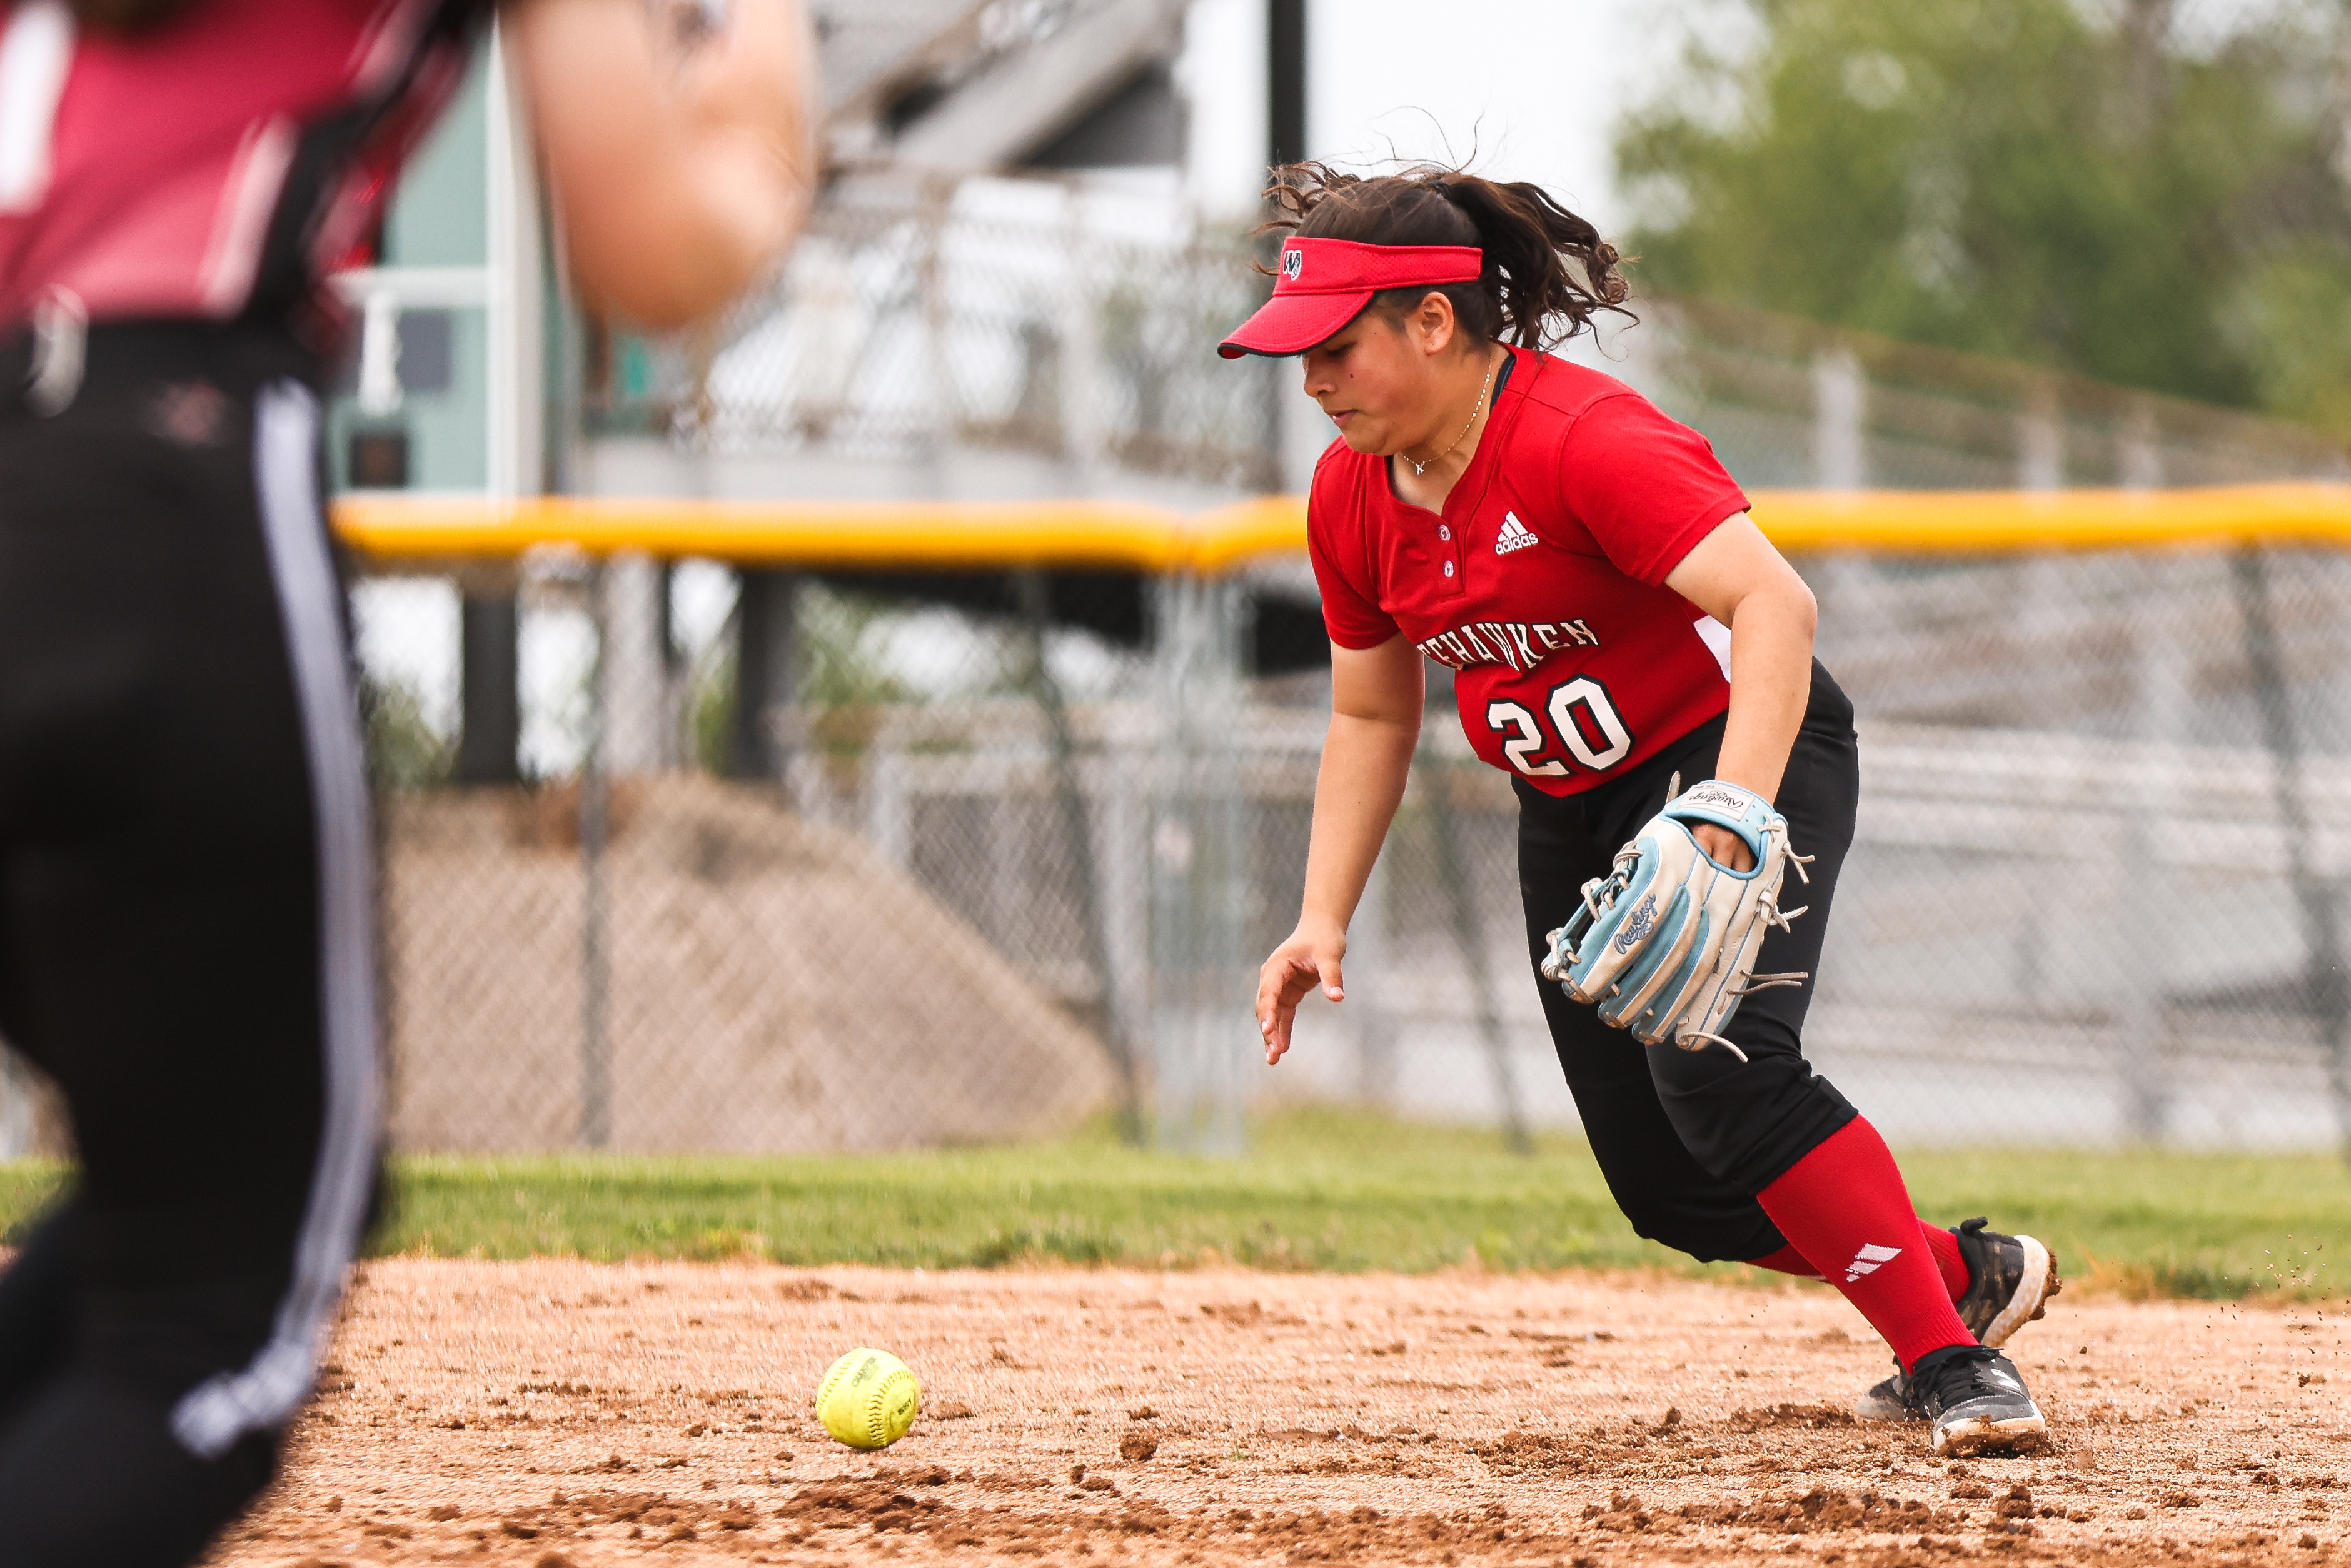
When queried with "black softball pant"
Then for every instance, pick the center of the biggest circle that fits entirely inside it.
(1686, 1139)
(185, 937)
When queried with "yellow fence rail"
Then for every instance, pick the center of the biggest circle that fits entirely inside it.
(945, 535)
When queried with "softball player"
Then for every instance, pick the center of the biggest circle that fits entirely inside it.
(1617, 628)
(187, 898)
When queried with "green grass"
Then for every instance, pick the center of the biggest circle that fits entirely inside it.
(1319, 1190)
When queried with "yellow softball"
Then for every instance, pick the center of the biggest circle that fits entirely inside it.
(867, 1399)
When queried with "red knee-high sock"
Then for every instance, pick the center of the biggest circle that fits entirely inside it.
(1843, 1208)
(1946, 1247)
(1940, 1241)
(1787, 1260)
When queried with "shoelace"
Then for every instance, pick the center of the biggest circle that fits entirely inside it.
(1963, 1378)
(1731, 1046)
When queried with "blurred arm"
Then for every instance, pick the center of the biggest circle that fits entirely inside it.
(676, 181)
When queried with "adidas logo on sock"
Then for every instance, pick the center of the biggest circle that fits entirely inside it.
(1514, 535)
(1869, 1260)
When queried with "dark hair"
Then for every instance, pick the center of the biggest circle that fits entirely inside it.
(126, 15)
(1527, 284)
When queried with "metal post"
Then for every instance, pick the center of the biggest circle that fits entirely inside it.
(1285, 60)
(2041, 441)
(595, 936)
(1840, 421)
(490, 731)
(1076, 832)
(2322, 979)
(1201, 1030)
(1371, 980)
(16, 1107)
(632, 668)
(942, 415)
(1469, 940)
(1079, 360)
(1296, 431)
(766, 674)
(2143, 922)
(517, 374)
(2144, 925)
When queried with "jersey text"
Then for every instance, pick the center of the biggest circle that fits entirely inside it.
(1521, 645)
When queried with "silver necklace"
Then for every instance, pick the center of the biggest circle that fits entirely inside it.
(1420, 468)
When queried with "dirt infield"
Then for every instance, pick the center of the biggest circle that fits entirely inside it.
(556, 1412)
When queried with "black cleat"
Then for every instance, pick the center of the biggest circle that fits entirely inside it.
(1976, 1400)
(2009, 1282)
(1884, 1400)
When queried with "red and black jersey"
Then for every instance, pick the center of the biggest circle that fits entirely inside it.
(1543, 582)
(216, 166)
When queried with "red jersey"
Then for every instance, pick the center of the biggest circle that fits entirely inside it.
(218, 164)
(1543, 582)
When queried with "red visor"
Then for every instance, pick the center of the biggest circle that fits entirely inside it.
(1322, 283)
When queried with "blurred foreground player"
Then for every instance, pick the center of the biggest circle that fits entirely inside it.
(1629, 647)
(186, 883)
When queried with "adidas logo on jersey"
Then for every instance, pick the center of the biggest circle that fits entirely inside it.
(1515, 535)
(1869, 1260)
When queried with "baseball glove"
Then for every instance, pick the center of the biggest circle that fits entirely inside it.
(1665, 943)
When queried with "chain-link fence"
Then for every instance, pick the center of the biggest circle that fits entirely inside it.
(989, 887)
(778, 860)
(2094, 899)
(1015, 870)
(1016, 862)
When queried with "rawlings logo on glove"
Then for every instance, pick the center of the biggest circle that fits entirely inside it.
(1644, 921)
(1665, 943)
(1720, 796)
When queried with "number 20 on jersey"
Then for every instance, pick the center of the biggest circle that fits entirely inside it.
(1584, 724)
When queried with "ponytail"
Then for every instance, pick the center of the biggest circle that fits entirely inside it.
(1547, 271)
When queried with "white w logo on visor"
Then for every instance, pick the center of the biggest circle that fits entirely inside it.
(1294, 262)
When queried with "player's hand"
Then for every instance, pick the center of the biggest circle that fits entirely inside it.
(1310, 957)
(1726, 847)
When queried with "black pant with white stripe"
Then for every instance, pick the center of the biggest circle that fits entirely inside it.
(185, 934)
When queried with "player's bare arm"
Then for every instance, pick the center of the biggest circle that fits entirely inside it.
(1410, 386)
(1735, 576)
(676, 176)
(1376, 705)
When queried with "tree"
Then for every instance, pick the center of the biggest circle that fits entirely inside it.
(2024, 178)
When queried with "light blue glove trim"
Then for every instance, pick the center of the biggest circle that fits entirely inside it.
(1636, 974)
(1742, 811)
(1668, 929)
(1623, 919)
